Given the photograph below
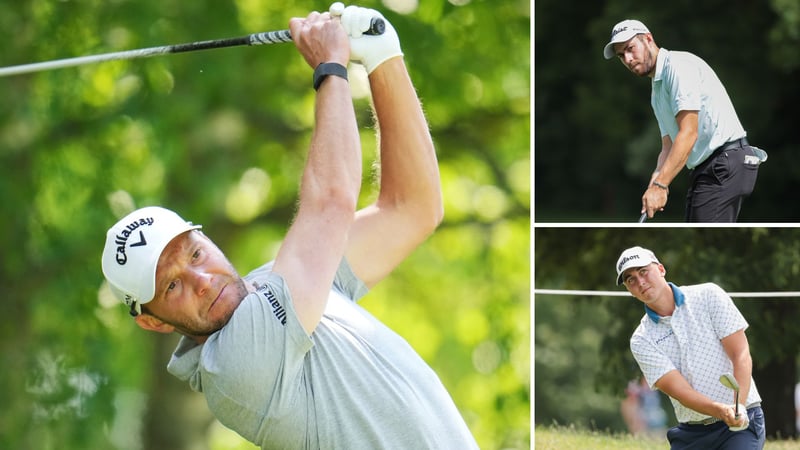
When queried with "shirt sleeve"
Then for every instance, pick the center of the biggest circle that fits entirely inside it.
(347, 283)
(724, 316)
(256, 362)
(684, 84)
(653, 363)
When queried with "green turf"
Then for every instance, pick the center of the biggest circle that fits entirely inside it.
(558, 438)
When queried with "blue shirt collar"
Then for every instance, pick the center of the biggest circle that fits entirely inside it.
(679, 301)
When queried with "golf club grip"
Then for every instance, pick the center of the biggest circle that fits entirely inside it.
(376, 27)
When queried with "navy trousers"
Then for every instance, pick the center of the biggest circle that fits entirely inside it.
(717, 436)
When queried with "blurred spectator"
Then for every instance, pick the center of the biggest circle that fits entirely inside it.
(797, 407)
(641, 410)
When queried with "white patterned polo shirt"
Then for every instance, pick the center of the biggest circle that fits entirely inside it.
(689, 341)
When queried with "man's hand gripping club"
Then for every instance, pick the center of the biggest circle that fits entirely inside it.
(366, 49)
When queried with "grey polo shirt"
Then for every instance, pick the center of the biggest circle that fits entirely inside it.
(684, 82)
(352, 384)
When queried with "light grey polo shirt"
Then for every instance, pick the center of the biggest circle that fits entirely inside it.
(684, 82)
(352, 384)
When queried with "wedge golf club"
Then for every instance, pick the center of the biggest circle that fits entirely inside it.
(730, 382)
(377, 27)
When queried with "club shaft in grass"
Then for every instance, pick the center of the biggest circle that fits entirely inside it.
(377, 27)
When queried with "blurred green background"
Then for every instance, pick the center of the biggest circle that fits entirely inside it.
(220, 136)
(596, 138)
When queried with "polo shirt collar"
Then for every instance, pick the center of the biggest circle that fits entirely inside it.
(661, 59)
(680, 299)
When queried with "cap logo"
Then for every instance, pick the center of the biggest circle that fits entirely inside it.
(122, 238)
(625, 260)
(142, 241)
(618, 31)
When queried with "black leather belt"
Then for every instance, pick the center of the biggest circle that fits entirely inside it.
(739, 143)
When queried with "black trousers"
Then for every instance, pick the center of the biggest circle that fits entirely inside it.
(720, 183)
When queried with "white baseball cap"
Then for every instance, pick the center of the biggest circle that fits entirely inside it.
(634, 257)
(622, 32)
(133, 246)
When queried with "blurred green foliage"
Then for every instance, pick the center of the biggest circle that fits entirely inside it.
(221, 136)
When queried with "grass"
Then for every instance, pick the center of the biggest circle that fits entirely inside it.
(560, 437)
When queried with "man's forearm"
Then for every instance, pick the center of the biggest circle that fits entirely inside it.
(743, 372)
(675, 159)
(409, 168)
(334, 159)
(675, 385)
(680, 148)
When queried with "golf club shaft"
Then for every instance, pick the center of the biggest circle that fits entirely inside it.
(643, 217)
(268, 37)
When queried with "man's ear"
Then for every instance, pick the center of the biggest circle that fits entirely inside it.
(152, 323)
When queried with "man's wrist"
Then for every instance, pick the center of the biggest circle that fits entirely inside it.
(326, 69)
(661, 185)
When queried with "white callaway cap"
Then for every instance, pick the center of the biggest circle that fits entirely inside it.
(634, 257)
(621, 33)
(133, 246)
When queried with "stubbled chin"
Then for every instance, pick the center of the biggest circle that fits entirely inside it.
(223, 309)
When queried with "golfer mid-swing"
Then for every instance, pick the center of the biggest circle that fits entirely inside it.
(689, 337)
(284, 355)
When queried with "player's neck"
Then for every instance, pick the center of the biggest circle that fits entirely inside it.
(664, 305)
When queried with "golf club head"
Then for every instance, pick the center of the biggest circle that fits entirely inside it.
(727, 380)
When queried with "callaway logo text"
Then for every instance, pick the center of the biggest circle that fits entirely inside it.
(122, 238)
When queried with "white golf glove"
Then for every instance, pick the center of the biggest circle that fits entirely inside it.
(742, 413)
(371, 51)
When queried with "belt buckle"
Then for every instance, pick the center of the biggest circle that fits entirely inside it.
(707, 421)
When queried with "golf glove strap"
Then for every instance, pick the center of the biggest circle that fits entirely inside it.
(742, 412)
(371, 51)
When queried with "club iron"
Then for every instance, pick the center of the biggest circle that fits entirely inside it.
(730, 382)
